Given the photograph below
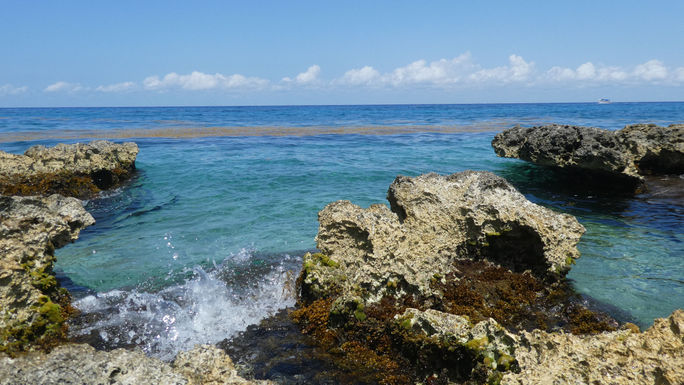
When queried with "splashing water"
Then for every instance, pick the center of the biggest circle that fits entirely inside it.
(206, 308)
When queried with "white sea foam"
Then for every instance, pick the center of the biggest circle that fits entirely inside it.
(204, 309)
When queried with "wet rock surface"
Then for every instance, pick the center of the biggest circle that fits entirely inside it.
(82, 364)
(603, 156)
(207, 364)
(276, 350)
(33, 308)
(79, 170)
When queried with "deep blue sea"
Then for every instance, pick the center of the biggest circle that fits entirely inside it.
(207, 238)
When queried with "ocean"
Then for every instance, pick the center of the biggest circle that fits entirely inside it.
(207, 238)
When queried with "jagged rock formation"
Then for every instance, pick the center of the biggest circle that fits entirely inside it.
(390, 278)
(626, 154)
(626, 356)
(433, 221)
(421, 293)
(81, 364)
(655, 356)
(78, 170)
(32, 306)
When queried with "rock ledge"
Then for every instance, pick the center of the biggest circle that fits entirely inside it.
(626, 155)
(78, 170)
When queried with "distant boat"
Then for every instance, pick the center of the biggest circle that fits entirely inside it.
(604, 101)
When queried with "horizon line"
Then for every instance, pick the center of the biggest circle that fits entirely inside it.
(340, 105)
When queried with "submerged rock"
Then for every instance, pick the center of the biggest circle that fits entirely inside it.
(32, 306)
(624, 155)
(655, 356)
(207, 364)
(81, 364)
(78, 170)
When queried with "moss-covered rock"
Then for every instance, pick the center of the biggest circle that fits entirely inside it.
(33, 308)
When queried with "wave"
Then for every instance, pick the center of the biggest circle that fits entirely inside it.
(204, 309)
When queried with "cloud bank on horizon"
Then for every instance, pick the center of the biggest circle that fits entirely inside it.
(460, 71)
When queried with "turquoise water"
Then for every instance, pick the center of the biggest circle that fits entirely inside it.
(207, 238)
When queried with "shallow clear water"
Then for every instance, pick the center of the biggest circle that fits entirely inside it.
(207, 238)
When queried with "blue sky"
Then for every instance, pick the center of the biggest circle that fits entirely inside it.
(121, 53)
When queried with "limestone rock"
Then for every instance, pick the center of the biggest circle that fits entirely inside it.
(486, 338)
(82, 364)
(625, 154)
(654, 149)
(655, 356)
(31, 304)
(78, 170)
(207, 364)
(433, 221)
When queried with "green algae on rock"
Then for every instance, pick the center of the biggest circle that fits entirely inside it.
(78, 170)
(33, 309)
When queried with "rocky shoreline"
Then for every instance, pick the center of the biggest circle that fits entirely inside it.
(460, 281)
(605, 157)
(76, 170)
(33, 308)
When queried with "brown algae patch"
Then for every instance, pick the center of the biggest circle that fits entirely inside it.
(186, 131)
(64, 183)
(482, 290)
(375, 343)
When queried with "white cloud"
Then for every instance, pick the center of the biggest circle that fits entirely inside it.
(118, 87)
(518, 70)
(460, 71)
(560, 74)
(366, 75)
(586, 71)
(310, 76)
(201, 81)
(9, 89)
(64, 87)
(441, 73)
(651, 70)
(679, 74)
(438, 72)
